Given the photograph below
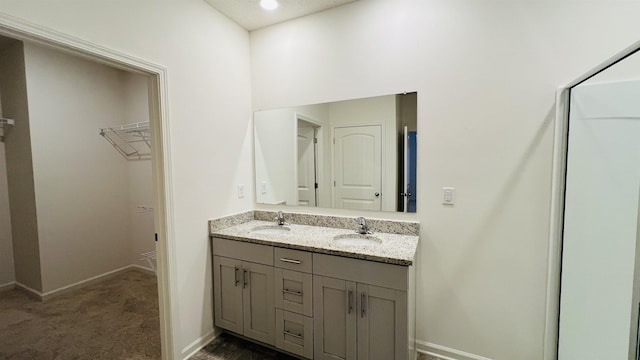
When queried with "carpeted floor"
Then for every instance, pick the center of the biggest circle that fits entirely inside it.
(114, 319)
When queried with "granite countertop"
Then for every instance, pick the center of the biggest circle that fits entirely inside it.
(394, 249)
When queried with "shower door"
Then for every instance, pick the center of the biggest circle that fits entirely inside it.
(599, 280)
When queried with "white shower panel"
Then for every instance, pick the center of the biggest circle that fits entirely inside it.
(598, 309)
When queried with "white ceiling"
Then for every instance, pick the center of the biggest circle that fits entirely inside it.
(249, 14)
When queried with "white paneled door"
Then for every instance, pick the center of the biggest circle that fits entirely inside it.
(358, 167)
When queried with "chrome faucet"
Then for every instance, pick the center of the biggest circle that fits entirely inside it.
(280, 218)
(363, 228)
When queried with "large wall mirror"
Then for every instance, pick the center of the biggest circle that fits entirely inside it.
(354, 154)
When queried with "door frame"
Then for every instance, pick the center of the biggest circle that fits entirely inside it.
(160, 146)
(558, 187)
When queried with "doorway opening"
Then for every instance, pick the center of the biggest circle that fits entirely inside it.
(158, 119)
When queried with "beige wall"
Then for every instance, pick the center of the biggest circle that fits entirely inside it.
(207, 59)
(486, 73)
(24, 231)
(81, 182)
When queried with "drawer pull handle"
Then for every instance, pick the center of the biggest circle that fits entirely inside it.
(235, 274)
(297, 336)
(291, 261)
(363, 301)
(350, 299)
(287, 291)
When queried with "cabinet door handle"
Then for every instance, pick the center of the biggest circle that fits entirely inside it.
(363, 301)
(297, 336)
(287, 291)
(350, 300)
(291, 261)
(235, 275)
(244, 278)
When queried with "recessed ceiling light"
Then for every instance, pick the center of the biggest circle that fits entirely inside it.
(269, 4)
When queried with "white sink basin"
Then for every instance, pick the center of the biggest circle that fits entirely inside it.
(270, 230)
(357, 240)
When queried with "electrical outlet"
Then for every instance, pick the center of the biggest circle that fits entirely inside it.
(240, 191)
(263, 187)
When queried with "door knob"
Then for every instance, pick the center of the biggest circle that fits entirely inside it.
(377, 194)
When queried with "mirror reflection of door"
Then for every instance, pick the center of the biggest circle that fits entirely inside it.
(307, 168)
(358, 167)
(409, 167)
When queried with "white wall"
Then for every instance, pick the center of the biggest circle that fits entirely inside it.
(80, 180)
(140, 182)
(601, 222)
(379, 110)
(625, 70)
(486, 73)
(207, 57)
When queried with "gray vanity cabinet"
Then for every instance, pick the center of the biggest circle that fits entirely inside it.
(258, 303)
(382, 323)
(243, 283)
(335, 318)
(228, 294)
(314, 305)
(360, 309)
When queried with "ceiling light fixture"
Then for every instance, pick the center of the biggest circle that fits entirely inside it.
(269, 4)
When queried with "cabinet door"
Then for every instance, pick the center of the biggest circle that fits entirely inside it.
(258, 302)
(382, 323)
(334, 305)
(227, 289)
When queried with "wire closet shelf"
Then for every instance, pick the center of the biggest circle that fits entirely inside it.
(132, 141)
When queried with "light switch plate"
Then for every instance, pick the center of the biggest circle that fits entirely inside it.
(448, 195)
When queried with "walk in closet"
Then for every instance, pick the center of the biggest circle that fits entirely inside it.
(75, 170)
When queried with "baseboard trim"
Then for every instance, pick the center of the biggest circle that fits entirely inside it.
(31, 292)
(8, 286)
(143, 269)
(189, 350)
(86, 282)
(439, 352)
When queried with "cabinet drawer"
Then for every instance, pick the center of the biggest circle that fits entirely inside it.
(257, 253)
(293, 259)
(362, 271)
(294, 291)
(294, 333)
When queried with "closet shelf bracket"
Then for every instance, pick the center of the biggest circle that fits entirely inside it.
(4, 122)
(132, 141)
